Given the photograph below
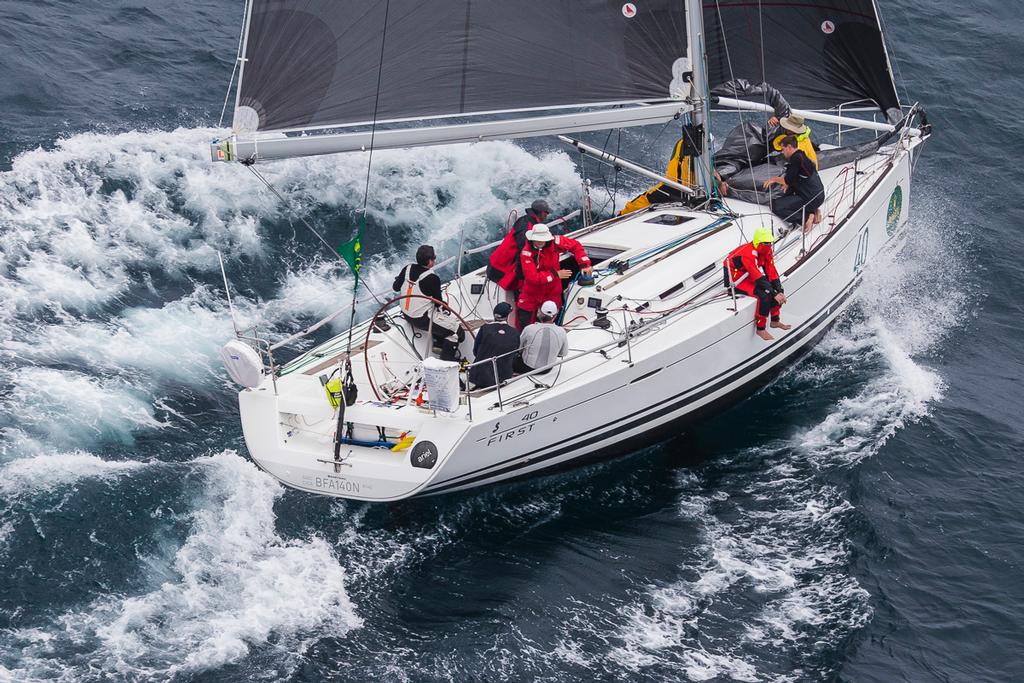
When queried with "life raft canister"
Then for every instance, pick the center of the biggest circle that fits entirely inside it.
(243, 363)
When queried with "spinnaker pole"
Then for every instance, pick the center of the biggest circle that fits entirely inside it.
(619, 162)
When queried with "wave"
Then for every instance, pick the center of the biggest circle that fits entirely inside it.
(42, 473)
(66, 409)
(234, 584)
(80, 217)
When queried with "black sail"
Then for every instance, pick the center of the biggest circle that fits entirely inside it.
(314, 63)
(819, 54)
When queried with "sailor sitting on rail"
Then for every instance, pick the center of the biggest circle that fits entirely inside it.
(750, 269)
(417, 281)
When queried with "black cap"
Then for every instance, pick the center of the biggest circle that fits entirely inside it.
(502, 310)
(540, 205)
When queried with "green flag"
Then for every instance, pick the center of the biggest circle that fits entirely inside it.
(352, 252)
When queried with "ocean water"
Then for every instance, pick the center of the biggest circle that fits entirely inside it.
(859, 519)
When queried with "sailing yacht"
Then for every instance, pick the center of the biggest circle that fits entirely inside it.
(657, 340)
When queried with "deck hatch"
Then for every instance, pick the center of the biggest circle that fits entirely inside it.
(669, 219)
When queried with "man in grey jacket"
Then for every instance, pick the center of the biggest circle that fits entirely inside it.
(542, 342)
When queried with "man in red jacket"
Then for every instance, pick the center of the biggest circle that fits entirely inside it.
(751, 270)
(502, 266)
(543, 273)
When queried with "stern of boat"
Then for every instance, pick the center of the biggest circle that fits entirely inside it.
(290, 435)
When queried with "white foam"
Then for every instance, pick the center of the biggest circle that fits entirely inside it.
(68, 410)
(6, 532)
(176, 342)
(77, 216)
(42, 473)
(789, 539)
(234, 584)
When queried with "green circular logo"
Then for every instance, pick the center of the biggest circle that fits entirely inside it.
(892, 217)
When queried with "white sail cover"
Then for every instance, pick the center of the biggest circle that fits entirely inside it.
(317, 63)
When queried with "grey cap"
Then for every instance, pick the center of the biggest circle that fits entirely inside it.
(540, 205)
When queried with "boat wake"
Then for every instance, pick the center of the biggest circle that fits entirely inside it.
(769, 593)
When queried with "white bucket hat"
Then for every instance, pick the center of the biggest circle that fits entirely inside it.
(539, 233)
(794, 123)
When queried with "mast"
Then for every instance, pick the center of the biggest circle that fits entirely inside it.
(699, 93)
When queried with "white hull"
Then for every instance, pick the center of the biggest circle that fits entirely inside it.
(682, 365)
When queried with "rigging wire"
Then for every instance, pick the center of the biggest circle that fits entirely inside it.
(618, 152)
(732, 77)
(764, 74)
(234, 69)
(901, 82)
(604, 177)
(288, 206)
(369, 166)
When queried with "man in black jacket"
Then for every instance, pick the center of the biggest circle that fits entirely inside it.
(494, 340)
(417, 281)
(804, 192)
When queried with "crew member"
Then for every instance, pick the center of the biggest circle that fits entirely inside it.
(794, 125)
(750, 268)
(678, 169)
(540, 261)
(543, 342)
(419, 279)
(503, 264)
(495, 340)
(804, 192)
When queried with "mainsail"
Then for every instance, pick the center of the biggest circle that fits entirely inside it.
(312, 65)
(819, 54)
(316, 63)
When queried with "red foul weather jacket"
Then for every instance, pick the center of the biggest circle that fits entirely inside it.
(755, 263)
(540, 271)
(505, 256)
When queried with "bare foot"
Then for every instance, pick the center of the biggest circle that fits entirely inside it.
(763, 334)
(809, 225)
(817, 216)
(781, 325)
